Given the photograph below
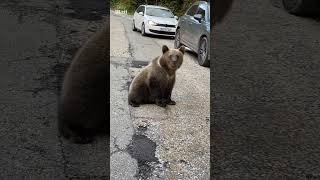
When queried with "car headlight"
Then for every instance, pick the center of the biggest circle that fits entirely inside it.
(152, 23)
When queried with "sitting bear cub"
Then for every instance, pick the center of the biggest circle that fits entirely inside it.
(155, 82)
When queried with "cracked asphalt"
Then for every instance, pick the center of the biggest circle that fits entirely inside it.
(150, 142)
(265, 102)
(38, 40)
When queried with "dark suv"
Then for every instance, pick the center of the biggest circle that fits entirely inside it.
(193, 31)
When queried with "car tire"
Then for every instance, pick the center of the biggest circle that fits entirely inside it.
(301, 7)
(177, 39)
(203, 58)
(133, 26)
(143, 30)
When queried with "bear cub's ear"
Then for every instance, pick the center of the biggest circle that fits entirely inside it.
(182, 49)
(165, 49)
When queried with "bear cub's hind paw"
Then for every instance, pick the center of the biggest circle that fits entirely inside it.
(171, 102)
(134, 104)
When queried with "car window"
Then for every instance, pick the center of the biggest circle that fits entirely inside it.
(140, 9)
(202, 11)
(157, 12)
(192, 11)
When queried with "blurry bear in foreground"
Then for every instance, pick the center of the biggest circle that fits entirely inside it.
(83, 110)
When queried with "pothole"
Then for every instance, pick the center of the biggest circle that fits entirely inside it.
(143, 150)
(139, 64)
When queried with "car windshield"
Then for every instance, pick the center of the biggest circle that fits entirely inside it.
(159, 12)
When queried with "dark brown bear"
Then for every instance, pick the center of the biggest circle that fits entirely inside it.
(83, 104)
(155, 82)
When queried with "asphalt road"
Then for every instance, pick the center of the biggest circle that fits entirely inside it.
(150, 142)
(265, 84)
(38, 40)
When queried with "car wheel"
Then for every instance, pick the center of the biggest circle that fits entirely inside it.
(300, 7)
(177, 39)
(203, 52)
(133, 26)
(143, 31)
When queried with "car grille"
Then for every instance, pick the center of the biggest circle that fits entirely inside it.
(162, 32)
(166, 25)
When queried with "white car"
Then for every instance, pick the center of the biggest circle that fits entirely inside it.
(155, 20)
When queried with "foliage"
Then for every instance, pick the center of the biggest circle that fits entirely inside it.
(178, 7)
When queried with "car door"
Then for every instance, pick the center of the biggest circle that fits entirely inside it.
(137, 17)
(182, 27)
(196, 27)
(189, 20)
(141, 17)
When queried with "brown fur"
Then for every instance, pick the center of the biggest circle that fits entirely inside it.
(155, 82)
(83, 104)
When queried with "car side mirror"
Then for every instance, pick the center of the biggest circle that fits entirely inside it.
(176, 17)
(198, 17)
(141, 13)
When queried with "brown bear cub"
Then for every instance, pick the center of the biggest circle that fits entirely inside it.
(83, 104)
(155, 82)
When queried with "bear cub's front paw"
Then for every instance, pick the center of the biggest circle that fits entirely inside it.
(161, 103)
